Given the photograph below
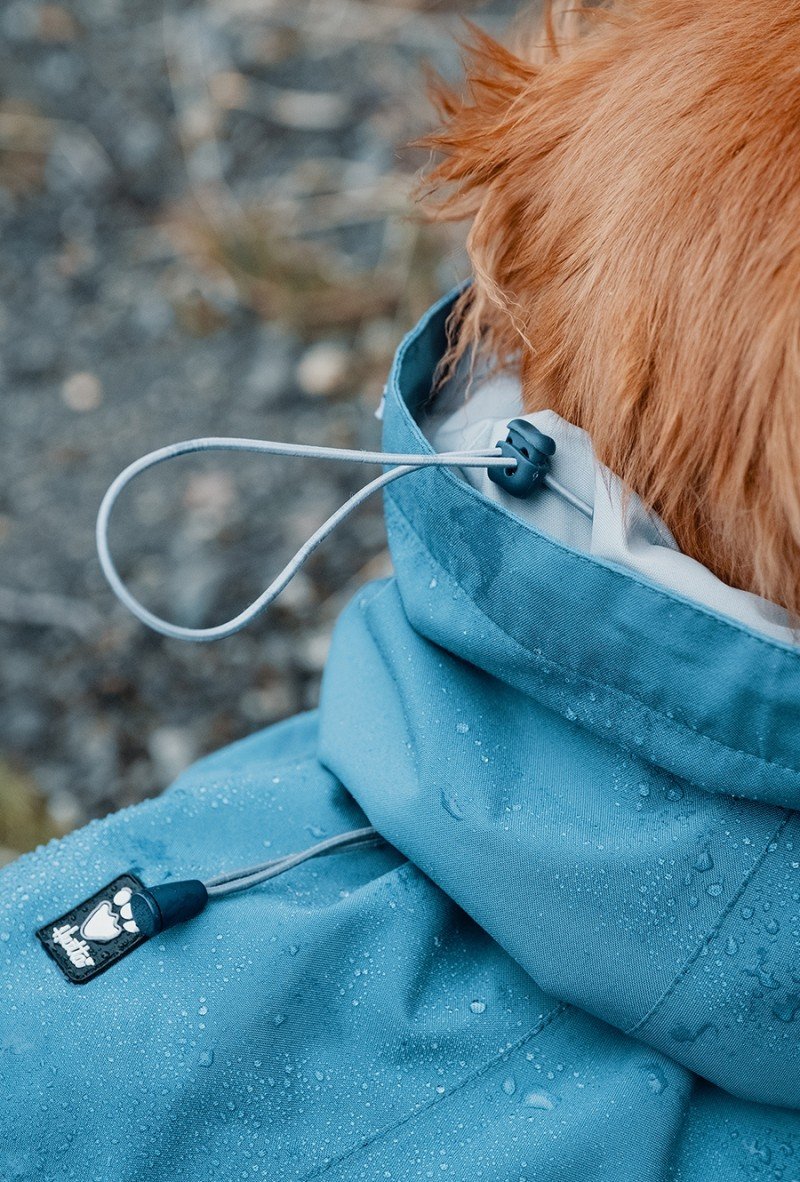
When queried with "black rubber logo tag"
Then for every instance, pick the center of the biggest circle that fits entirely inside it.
(96, 933)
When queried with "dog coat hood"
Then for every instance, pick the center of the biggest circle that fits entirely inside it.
(577, 957)
(471, 413)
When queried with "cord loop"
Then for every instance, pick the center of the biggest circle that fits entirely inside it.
(400, 465)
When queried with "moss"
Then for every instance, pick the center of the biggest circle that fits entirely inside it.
(25, 820)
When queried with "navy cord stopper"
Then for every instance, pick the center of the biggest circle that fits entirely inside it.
(160, 907)
(532, 451)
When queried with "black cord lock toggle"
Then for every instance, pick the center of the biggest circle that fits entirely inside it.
(160, 907)
(532, 451)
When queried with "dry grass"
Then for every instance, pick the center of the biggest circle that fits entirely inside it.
(25, 819)
(25, 140)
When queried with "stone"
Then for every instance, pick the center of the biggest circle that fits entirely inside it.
(324, 369)
(82, 392)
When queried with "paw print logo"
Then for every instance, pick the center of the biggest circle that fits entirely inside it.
(104, 923)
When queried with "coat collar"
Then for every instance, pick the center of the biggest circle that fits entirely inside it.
(692, 691)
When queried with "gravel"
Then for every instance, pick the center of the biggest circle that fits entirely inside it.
(203, 230)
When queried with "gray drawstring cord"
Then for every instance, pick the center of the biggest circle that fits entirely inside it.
(402, 465)
(518, 464)
(570, 497)
(155, 909)
(250, 876)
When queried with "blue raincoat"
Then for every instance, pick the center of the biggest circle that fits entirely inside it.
(579, 957)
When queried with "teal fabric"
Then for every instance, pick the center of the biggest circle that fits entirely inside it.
(579, 957)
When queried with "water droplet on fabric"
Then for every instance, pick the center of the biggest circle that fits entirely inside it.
(544, 1100)
(714, 890)
(683, 1033)
(462, 728)
(787, 1011)
(477, 1006)
(656, 1080)
(451, 805)
(509, 1085)
(764, 977)
(704, 861)
(205, 1058)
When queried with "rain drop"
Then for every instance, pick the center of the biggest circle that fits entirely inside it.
(656, 1079)
(787, 1011)
(451, 805)
(683, 1033)
(477, 1006)
(704, 861)
(762, 974)
(509, 1085)
(544, 1100)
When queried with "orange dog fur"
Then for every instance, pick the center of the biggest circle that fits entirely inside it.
(634, 190)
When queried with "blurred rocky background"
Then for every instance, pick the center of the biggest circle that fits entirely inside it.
(205, 228)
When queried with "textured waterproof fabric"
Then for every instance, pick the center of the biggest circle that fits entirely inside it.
(579, 958)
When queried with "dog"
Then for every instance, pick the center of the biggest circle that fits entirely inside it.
(632, 177)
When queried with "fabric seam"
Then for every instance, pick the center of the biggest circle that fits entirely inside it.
(546, 1021)
(721, 918)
